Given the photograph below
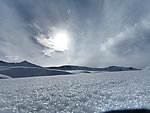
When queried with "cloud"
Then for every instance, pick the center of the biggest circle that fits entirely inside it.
(132, 43)
(15, 35)
(47, 43)
(12, 58)
(102, 32)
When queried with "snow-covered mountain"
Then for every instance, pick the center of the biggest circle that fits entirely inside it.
(119, 68)
(23, 63)
(27, 69)
(111, 68)
(18, 71)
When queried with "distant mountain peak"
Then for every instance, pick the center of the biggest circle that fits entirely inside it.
(23, 63)
(110, 68)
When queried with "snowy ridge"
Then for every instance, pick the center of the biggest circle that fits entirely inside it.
(111, 68)
(81, 93)
(27, 69)
(23, 63)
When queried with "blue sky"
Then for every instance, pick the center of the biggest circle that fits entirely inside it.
(100, 32)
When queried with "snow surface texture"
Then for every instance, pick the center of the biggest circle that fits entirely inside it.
(78, 93)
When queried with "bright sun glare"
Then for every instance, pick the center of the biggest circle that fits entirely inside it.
(60, 41)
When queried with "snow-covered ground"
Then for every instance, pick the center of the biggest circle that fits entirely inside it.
(2, 76)
(78, 93)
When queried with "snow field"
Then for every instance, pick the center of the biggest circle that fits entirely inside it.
(79, 93)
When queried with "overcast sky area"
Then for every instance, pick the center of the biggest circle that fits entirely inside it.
(99, 32)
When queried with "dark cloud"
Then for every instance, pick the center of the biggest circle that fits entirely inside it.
(102, 32)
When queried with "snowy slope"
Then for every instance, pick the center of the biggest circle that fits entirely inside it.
(4, 76)
(27, 69)
(81, 93)
(20, 71)
(23, 63)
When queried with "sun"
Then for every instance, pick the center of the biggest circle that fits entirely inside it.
(60, 41)
(55, 41)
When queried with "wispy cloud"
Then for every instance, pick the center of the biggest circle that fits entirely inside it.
(47, 43)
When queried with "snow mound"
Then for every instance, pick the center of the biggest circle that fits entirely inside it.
(80, 93)
(4, 76)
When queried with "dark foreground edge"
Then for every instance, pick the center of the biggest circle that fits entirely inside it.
(129, 111)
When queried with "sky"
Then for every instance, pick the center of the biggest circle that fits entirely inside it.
(95, 33)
